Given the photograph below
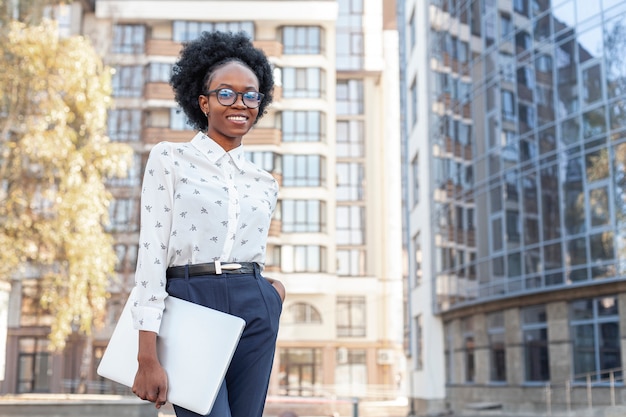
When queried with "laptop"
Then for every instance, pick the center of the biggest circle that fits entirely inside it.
(194, 359)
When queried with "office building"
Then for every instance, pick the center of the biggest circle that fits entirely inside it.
(516, 140)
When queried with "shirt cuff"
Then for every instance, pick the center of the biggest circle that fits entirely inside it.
(147, 318)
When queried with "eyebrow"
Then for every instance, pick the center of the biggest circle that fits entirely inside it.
(224, 85)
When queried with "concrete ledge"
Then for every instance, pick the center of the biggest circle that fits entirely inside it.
(485, 405)
(74, 405)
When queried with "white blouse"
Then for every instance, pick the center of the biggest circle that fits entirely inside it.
(199, 204)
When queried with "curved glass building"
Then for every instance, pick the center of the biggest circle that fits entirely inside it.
(515, 139)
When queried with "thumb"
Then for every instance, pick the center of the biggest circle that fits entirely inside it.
(162, 397)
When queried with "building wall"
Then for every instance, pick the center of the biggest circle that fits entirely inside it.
(367, 364)
(517, 224)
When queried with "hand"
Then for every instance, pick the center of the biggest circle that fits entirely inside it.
(151, 382)
(280, 288)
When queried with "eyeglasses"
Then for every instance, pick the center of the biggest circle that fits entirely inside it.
(228, 97)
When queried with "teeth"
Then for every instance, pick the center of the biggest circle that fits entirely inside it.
(238, 118)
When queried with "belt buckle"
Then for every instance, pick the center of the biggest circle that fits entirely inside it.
(227, 267)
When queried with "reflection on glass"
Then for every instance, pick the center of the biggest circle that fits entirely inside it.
(564, 16)
(594, 122)
(586, 9)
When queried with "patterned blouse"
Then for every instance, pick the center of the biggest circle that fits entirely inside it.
(199, 204)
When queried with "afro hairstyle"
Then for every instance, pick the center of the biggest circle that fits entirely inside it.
(201, 57)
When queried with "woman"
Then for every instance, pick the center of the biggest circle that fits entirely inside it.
(205, 215)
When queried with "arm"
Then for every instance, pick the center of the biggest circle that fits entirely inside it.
(151, 380)
(149, 293)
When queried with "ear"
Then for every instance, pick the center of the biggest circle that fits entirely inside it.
(203, 102)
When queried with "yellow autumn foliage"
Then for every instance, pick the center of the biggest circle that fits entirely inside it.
(54, 160)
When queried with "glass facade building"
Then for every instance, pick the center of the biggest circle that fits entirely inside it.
(516, 138)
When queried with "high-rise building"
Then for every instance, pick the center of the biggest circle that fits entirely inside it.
(515, 133)
(331, 138)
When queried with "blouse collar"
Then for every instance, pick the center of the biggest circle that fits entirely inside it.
(215, 152)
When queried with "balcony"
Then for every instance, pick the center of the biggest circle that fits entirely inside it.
(155, 135)
(158, 91)
(163, 47)
(263, 136)
(270, 48)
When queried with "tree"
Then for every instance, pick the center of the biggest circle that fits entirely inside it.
(54, 160)
(30, 12)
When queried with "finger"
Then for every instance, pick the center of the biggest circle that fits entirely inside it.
(162, 397)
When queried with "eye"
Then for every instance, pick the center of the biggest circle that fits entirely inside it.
(226, 93)
(251, 95)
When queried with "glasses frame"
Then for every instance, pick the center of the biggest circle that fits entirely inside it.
(237, 94)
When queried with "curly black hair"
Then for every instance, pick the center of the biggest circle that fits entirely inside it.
(202, 56)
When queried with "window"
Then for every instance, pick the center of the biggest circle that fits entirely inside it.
(178, 120)
(467, 328)
(302, 313)
(526, 117)
(303, 258)
(351, 371)
(350, 181)
(415, 180)
(304, 171)
(303, 216)
(543, 63)
(521, 7)
(128, 81)
(596, 338)
(507, 67)
(350, 262)
(419, 343)
(413, 120)
(302, 40)
(132, 177)
(350, 316)
(417, 245)
(523, 42)
(449, 353)
(350, 139)
(506, 25)
(508, 106)
(526, 77)
(124, 125)
(34, 365)
(412, 32)
(513, 231)
(303, 126)
(535, 339)
(497, 347)
(185, 31)
(268, 161)
(349, 35)
(126, 258)
(349, 96)
(159, 72)
(303, 82)
(128, 39)
(350, 225)
(123, 215)
(301, 371)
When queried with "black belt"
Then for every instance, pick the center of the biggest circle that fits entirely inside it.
(212, 268)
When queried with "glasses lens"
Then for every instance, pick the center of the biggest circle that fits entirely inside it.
(226, 96)
(251, 99)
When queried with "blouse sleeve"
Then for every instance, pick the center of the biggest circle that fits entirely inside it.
(157, 196)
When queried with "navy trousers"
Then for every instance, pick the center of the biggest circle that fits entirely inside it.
(251, 297)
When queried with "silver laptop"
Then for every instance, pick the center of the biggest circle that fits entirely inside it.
(195, 346)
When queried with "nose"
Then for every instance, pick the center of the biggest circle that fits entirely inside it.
(239, 100)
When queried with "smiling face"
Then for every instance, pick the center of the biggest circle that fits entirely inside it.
(228, 124)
